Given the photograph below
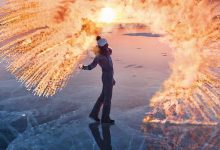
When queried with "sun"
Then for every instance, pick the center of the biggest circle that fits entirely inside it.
(108, 15)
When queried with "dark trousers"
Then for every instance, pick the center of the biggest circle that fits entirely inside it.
(105, 97)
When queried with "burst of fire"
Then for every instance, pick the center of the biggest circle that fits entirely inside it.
(44, 41)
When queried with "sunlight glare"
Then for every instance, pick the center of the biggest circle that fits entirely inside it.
(108, 15)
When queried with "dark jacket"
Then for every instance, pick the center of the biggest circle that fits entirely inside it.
(104, 60)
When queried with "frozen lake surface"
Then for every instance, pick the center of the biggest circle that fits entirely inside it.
(141, 63)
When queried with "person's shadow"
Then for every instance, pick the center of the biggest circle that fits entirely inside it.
(103, 142)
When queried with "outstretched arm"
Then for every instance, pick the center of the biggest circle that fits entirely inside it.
(92, 65)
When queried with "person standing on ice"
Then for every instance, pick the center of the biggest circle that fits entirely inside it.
(103, 58)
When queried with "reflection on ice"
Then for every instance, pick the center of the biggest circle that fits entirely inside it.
(176, 137)
(156, 136)
(104, 141)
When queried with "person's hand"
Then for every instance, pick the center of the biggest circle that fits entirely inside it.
(81, 66)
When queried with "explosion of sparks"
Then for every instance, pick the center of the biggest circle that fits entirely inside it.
(44, 41)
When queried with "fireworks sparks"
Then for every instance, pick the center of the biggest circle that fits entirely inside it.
(44, 41)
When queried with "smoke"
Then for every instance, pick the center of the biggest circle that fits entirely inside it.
(44, 41)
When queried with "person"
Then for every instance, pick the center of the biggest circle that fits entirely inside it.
(103, 58)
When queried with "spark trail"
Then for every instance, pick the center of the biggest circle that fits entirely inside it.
(44, 41)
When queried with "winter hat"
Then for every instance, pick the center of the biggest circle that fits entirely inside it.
(102, 42)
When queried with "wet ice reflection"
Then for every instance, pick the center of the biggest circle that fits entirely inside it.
(103, 140)
(186, 137)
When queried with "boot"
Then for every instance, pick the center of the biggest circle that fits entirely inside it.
(95, 118)
(110, 121)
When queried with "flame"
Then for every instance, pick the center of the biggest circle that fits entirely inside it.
(44, 41)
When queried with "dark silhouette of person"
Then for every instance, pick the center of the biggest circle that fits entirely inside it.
(103, 58)
(105, 143)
